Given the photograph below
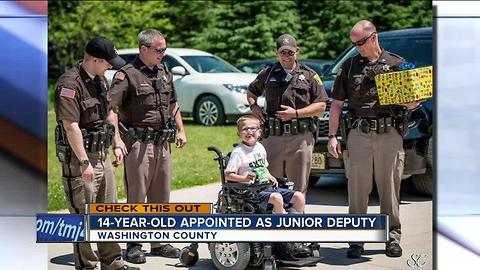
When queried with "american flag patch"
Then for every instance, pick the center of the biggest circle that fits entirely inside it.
(68, 93)
(120, 76)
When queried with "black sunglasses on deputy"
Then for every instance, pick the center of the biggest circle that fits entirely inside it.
(287, 53)
(158, 50)
(362, 41)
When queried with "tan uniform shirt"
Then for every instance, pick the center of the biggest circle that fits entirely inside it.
(356, 82)
(143, 96)
(303, 89)
(79, 99)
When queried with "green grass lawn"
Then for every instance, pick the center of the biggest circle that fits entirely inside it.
(193, 165)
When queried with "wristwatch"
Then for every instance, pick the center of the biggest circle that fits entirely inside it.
(84, 162)
(330, 136)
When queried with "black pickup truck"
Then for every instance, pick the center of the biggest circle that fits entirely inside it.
(415, 45)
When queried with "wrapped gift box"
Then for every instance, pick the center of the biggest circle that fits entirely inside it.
(405, 86)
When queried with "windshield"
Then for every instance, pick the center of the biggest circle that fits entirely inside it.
(415, 50)
(209, 64)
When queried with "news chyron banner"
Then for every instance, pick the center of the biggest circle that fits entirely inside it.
(195, 222)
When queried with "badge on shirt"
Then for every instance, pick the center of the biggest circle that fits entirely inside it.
(68, 93)
(301, 77)
(386, 68)
(120, 76)
(164, 78)
(317, 78)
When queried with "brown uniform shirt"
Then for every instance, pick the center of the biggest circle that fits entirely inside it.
(303, 89)
(356, 82)
(143, 96)
(79, 99)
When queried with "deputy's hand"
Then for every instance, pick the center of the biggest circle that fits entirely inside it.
(334, 147)
(87, 172)
(287, 114)
(412, 105)
(258, 112)
(181, 139)
(273, 180)
(120, 151)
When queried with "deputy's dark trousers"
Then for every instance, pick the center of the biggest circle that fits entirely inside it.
(80, 192)
(380, 158)
(148, 174)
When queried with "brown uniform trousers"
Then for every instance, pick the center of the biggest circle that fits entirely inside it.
(380, 158)
(79, 193)
(148, 173)
(292, 155)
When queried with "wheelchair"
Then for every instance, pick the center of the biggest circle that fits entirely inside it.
(241, 198)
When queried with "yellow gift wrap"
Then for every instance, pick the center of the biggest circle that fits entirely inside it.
(405, 86)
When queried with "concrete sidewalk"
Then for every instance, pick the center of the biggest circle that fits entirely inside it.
(327, 197)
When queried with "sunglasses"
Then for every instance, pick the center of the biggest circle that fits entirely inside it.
(250, 129)
(362, 41)
(287, 53)
(158, 50)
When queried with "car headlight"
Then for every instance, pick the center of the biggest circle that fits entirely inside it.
(242, 89)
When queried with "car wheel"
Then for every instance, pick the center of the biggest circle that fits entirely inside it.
(209, 111)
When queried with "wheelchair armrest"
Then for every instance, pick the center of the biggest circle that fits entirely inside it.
(254, 187)
(283, 182)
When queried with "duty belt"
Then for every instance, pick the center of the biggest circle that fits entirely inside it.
(95, 141)
(155, 136)
(378, 125)
(275, 126)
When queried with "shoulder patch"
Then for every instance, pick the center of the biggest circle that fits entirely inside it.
(67, 92)
(120, 76)
(395, 55)
(317, 78)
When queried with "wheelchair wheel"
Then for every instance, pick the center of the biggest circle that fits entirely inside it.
(230, 256)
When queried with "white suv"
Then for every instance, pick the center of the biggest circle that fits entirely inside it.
(208, 88)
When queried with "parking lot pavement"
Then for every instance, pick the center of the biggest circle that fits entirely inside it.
(328, 196)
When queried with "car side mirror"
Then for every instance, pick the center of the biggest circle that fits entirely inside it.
(178, 70)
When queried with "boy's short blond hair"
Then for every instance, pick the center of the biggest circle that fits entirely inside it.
(244, 118)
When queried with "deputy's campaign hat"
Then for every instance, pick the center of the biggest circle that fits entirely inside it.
(286, 41)
(103, 48)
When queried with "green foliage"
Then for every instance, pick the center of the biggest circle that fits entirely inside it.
(237, 31)
(72, 24)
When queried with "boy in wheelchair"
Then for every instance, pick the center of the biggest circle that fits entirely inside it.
(250, 189)
(248, 164)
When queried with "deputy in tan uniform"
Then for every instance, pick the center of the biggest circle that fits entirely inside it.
(294, 94)
(81, 108)
(374, 140)
(143, 95)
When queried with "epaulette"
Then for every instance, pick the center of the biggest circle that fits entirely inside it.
(395, 55)
(305, 67)
(126, 67)
(267, 66)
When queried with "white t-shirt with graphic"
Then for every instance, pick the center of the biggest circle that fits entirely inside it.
(245, 159)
